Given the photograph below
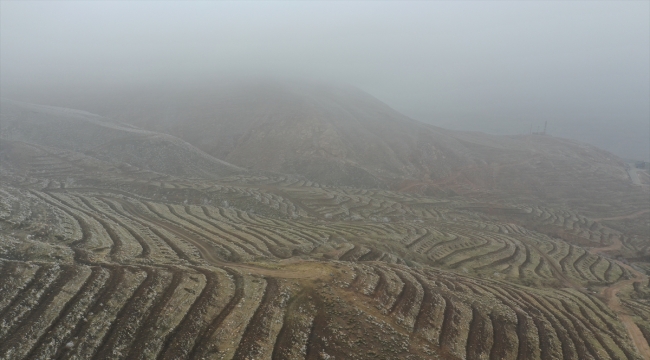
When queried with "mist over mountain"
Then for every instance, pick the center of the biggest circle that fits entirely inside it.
(324, 180)
(478, 66)
(339, 135)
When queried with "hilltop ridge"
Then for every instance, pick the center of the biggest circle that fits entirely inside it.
(340, 135)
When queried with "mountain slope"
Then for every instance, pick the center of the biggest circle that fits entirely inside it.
(91, 134)
(133, 263)
(488, 247)
(342, 136)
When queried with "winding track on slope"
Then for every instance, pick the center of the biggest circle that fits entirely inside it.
(623, 217)
(610, 294)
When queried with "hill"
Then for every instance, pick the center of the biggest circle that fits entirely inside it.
(84, 132)
(117, 261)
(122, 240)
(339, 135)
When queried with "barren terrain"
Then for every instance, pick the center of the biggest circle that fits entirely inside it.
(174, 254)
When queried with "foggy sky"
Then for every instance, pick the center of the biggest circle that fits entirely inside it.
(498, 67)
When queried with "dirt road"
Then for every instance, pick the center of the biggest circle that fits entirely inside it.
(634, 176)
(610, 294)
(623, 217)
(617, 245)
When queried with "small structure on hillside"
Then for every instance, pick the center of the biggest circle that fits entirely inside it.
(642, 165)
(541, 132)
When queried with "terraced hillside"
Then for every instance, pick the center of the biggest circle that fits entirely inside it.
(105, 259)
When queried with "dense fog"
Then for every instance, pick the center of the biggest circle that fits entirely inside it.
(498, 67)
(325, 180)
